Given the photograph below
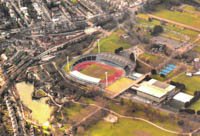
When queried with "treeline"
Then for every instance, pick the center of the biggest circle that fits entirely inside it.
(178, 85)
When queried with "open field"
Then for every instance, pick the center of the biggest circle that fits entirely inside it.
(180, 17)
(125, 126)
(192, 83)
(112, 42)
(97, 71)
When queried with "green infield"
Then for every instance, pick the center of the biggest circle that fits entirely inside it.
(125, 127)
(180, 17)
(192, 83)
(112, 42)
(97, 71)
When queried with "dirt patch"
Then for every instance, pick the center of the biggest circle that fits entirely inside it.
(141, 133)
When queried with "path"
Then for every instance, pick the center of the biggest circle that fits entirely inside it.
(140, 119)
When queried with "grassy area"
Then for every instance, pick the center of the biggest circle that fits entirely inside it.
(149, 56)
(70, 64)
(112, 42)
(195, 106)
(125, 127)
(97, 71)
(181, 17)
(197, 49)
(74, 110)
(192, 34)
(192, 83)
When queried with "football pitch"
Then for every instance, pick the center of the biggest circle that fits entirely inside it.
(97, 71)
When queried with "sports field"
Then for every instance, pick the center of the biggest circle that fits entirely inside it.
(120, 85)
(98, 70)
(112, 42)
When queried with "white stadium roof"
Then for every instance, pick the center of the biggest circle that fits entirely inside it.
(182, 97)
(84, 77)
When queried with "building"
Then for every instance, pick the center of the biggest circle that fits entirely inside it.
(182, 98)
(154, 90)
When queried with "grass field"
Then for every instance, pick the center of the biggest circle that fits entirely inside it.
(192, 83)
(181, 17)
(112, 42)
(97, 71)
(125, 127)
(119, 85)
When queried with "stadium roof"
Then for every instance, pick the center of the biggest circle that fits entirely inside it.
(84, 77)
(155, 88)
(182, 97)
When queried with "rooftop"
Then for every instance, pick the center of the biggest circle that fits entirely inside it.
(155, 88)
(182, 97)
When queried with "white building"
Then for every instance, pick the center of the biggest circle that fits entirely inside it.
(154, 90)
(182, 97)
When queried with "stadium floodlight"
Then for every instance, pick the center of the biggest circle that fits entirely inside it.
(98, 46)
(106, 73)
(68, 62)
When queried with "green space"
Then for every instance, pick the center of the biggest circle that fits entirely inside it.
(181, 17)
(70, 64)
(150, 57)
(112, 42)
(125, 127)
(197, 49)
(195, 106)
(192, 83)
(192, 34)
(97, 71)
(73, 110)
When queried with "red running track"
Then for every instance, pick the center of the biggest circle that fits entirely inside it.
(118, 73)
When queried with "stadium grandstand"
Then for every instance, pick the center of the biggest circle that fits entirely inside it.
(92, 68)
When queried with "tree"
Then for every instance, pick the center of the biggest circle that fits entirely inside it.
(180, 122)
(157, 30)
(132, 57)
(153, 72)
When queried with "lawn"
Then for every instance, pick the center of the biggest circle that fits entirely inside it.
(149, 56)
(181, 17)
(125, 127)
(192, 83)
(195, 106)
(112, 42)
(74, 110)
(197, 49)
(97, 71)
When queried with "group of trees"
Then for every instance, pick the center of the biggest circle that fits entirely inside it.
(194, 99)
(178, 85)
(157, 30)
(118, 50)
